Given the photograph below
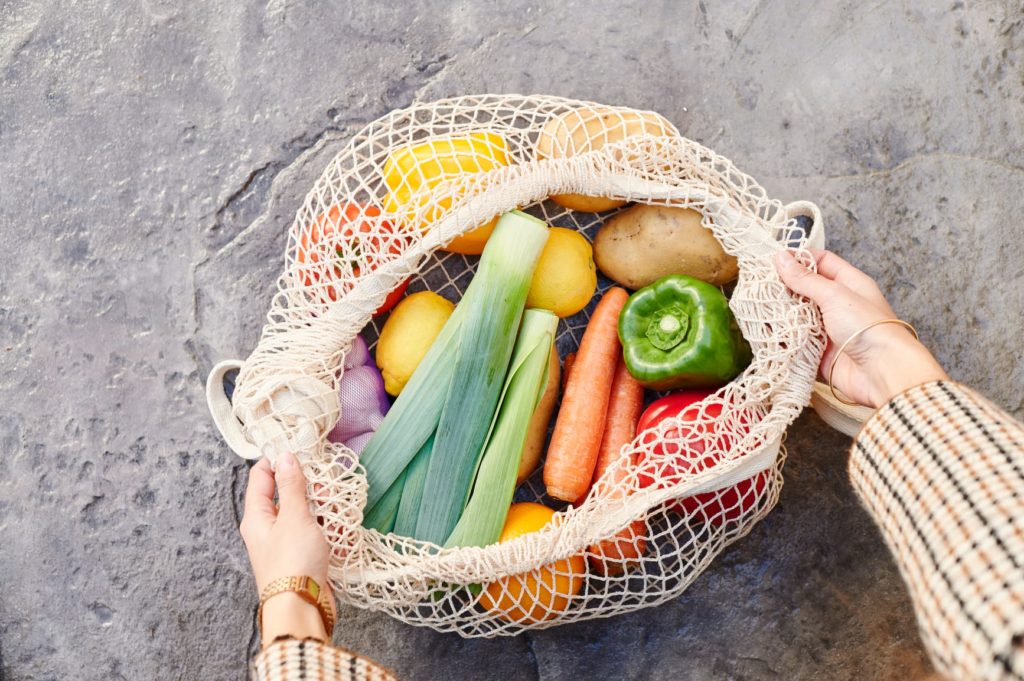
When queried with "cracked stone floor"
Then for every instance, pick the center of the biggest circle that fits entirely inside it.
(152, 155)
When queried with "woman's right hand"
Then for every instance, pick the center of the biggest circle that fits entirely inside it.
(284, 541)
(880, 363)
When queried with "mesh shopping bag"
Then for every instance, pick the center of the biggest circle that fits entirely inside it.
(374, 219)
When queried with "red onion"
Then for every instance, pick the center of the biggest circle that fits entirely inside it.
(361, 395)
(358, 443)
(359, 355)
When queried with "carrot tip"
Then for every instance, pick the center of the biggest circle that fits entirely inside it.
(562, 495)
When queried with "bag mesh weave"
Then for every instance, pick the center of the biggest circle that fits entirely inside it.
(334, 280)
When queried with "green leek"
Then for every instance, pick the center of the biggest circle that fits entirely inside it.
(413, 417)
(493, 308)
(381, 516)
(415, 474)
(484, 515)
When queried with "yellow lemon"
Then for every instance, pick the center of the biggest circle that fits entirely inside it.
(566, 277)
(543, 593)
(408, 334)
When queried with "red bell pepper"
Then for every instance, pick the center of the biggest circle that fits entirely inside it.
(670, 461)
(319, 253)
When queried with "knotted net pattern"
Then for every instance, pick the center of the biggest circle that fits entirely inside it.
(350, 245)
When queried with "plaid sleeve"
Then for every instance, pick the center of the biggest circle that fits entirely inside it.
(941, 469)
(293, 660)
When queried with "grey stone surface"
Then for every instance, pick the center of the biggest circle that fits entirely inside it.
(152, 154)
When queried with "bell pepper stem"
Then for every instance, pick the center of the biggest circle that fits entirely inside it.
(668, 328)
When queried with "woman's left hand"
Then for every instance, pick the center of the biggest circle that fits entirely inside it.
(284, 541)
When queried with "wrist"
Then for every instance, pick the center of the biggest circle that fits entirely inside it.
(903, 364)
(288, 614)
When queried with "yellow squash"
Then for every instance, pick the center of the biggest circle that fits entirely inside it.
(412, 173)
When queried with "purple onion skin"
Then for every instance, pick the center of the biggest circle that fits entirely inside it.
(358, 443)
(358, 355)
(363, 402)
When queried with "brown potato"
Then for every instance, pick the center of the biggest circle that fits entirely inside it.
(640, 245)
(582, 130)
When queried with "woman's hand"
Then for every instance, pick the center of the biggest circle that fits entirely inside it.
(284, 542)
(880, 363)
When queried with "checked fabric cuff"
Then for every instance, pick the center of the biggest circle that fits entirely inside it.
(294, 660)
(942, 471)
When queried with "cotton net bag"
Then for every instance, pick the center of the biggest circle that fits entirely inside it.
(672, 520)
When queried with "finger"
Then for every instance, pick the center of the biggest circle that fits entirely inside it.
(259, 493)
(803, 281)
(291, 485)
(837, 269)
(828, 359)
(831, 265)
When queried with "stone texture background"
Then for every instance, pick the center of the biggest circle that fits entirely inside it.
(152, 154)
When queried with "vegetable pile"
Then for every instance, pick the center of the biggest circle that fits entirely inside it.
(476, 382)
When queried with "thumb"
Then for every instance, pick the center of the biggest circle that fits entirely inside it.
(801, 280)
(291, 485)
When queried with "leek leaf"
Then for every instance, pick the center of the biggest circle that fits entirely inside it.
(496, 295)
(484, 516)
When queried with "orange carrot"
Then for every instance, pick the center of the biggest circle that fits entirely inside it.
(625, 404)
(567, 367)
(612, 556)
(576, 440)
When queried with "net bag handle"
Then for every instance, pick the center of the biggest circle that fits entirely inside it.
(304, 404)
(846, 418)
(223, 415)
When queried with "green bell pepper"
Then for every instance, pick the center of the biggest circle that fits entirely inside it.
(680, 333)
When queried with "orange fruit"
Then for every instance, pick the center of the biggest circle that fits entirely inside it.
(540, 594)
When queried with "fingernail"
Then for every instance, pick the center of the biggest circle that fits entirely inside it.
(287, 461)
(785, 259)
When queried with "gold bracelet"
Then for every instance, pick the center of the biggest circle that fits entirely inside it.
(842, 348)
(308, 589)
